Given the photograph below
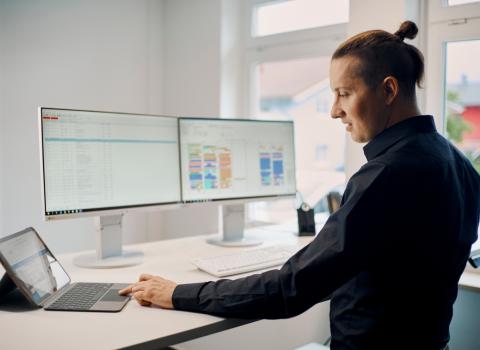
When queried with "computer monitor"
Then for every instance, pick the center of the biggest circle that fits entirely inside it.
(105, 164)
(234, 161)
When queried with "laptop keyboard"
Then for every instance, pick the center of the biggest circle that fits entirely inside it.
(81, 297)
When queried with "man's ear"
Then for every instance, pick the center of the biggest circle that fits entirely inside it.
(391, 89)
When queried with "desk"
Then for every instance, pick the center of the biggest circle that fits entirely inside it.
(470, 278)
(135, 326)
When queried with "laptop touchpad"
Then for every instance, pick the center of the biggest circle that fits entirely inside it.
(112, 295)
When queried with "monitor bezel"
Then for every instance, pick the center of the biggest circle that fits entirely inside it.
(238, 200)
(101, 211)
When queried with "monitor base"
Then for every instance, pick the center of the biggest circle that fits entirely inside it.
(243, 242)
(91, 260)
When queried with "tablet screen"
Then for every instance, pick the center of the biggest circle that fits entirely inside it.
(31, 263)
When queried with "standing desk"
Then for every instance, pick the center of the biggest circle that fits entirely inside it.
(135, 326)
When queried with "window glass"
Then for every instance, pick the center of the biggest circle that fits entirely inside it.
(460, 2)
(286, 16)
(299, 90)
(462, 103)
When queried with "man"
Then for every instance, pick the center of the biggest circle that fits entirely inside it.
(390, 258)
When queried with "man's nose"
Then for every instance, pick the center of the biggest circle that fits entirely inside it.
(336, 111)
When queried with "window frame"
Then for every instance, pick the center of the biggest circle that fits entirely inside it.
(305, 43)
(440, 11)
(285, 37)
(445, 24)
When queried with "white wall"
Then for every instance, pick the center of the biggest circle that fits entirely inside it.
(150, 56)
(192, 57)
(103, 55)
(192, 84)
(233, 54)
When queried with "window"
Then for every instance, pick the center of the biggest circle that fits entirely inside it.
(288, 79)
(285, 16)
(462, 102)
(453, 11)
(460, 2)
(452, 76)
(299, 90)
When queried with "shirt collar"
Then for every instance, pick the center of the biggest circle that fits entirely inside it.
(393, 134)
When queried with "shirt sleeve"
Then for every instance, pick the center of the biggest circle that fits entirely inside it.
(349, 241)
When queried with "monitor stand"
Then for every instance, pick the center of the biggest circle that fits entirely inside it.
(109, 252)
(233, 219)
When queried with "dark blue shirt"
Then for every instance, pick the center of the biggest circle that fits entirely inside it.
(390, 257)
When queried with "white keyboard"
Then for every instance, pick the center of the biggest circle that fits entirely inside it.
(245, 261)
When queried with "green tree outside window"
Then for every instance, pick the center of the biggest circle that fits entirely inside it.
(457, 126)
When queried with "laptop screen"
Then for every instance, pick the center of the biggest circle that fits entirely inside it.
(30, 263)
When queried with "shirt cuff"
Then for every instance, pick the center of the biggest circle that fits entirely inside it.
(185, 296)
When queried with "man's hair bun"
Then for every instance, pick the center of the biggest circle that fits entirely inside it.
(407, 29)
(383, 54)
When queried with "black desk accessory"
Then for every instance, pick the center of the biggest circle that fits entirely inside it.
(306, 220)
(474, 258)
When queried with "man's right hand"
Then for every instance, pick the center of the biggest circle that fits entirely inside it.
(151, 290)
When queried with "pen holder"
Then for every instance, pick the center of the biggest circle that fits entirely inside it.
(306, 220)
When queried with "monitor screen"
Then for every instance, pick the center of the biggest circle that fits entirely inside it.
(230, 159)
(100, 160)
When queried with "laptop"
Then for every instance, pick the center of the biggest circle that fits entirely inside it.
(44, 282)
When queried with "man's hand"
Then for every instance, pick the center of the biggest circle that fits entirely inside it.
(152, 290)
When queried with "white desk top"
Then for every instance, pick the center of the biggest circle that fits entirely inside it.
(471, 277)
(23, 328)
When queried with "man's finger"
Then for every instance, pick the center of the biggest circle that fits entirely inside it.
(131, 288)
(145, 303)
(145, 277)
(126, 290)
(138, 296)
(138, 287)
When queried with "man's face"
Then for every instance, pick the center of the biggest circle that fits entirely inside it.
(360, 107)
